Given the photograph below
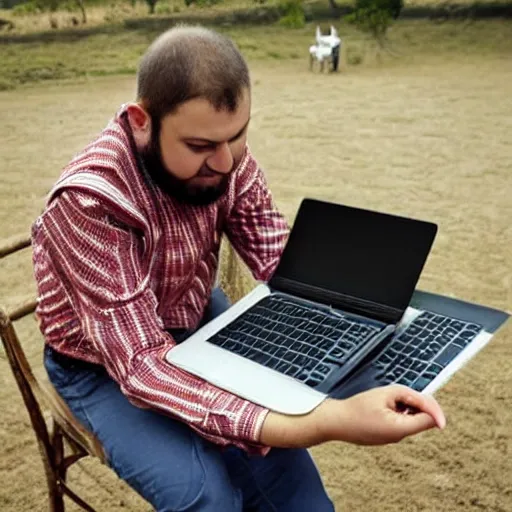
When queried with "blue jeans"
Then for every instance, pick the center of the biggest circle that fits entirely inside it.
(170, 465)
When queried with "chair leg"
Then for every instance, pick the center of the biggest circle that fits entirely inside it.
(57, 483)
(58, 473)
(56, 497)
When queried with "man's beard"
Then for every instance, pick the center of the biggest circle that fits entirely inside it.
(182, 190)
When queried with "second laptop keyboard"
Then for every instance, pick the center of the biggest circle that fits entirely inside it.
(305, 342)
(418, 354)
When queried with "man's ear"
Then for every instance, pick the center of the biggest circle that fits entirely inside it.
(140, 123)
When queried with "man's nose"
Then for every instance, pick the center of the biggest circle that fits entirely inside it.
(222, 160)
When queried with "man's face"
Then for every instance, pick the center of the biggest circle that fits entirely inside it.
(194, 150)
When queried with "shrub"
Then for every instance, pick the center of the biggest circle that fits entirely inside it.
(293, 15)
(26, 8)
(375, 17)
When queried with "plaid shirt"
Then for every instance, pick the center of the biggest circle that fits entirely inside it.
(117, 262)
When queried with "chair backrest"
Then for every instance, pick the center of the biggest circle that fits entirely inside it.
(33, 391)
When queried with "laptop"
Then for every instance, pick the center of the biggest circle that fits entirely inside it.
(335, 317)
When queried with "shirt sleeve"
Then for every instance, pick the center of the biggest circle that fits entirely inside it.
(100, 265)
(254, 226)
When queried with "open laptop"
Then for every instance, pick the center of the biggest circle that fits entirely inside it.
(333, 319)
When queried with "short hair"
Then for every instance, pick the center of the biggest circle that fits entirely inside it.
(188, 62)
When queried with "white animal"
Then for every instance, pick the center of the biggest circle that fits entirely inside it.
(327, 48)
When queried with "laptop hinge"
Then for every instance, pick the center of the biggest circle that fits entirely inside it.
(337, 300)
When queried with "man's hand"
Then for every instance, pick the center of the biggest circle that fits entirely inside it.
(383, 415)
(379, 416)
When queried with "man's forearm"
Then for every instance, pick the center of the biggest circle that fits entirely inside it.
(303, 431)
(379, 416)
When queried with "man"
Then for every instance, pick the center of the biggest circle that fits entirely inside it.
(125, 256)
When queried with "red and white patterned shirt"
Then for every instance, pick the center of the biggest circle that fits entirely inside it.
(117, 262)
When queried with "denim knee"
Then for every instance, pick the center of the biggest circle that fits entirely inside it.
(179, 495)
(194, 482)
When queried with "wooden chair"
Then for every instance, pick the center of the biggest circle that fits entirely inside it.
(61, 432)
(62, 440)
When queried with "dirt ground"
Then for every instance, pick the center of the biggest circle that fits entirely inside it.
(430, 140)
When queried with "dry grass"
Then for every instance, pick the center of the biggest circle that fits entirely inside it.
(117, 12)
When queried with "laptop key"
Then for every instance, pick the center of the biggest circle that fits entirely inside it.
(258, 355)
(322, 344)
(302, 376)
(298, 347)
(290, 356)
(418, 366)
(314, 353)
(470, 332)
(448, 354)
(303, 361)
(272, 349)
(323, 369)
(407, 378)
(420, 383)
(338, 354)
(283, 367)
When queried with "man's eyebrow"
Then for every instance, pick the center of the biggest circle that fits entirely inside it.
(213, 142)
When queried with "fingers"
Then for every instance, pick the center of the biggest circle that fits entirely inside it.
(423, 403)
(416, 423)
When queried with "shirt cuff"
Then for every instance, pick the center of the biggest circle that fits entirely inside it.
(240, 418)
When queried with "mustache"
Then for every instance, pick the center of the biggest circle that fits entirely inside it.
(207, 172)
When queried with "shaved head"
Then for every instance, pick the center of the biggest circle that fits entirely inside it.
(188, 62)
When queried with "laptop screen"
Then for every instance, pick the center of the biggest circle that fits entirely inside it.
(344, 251)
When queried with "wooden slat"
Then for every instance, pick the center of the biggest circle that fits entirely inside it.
(68, 422)
(27, 307)
(32, 390)
(14, 244)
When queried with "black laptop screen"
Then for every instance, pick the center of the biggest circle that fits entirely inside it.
(371, 256)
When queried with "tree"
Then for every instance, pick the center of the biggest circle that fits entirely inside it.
(375, 17)
(333, 5)
(49, 6)
(151, 5)
(81, 6)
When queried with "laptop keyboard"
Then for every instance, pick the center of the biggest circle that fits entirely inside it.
(306, 343)
(417, 355)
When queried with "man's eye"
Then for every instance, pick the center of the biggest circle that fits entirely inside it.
(198, 148)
